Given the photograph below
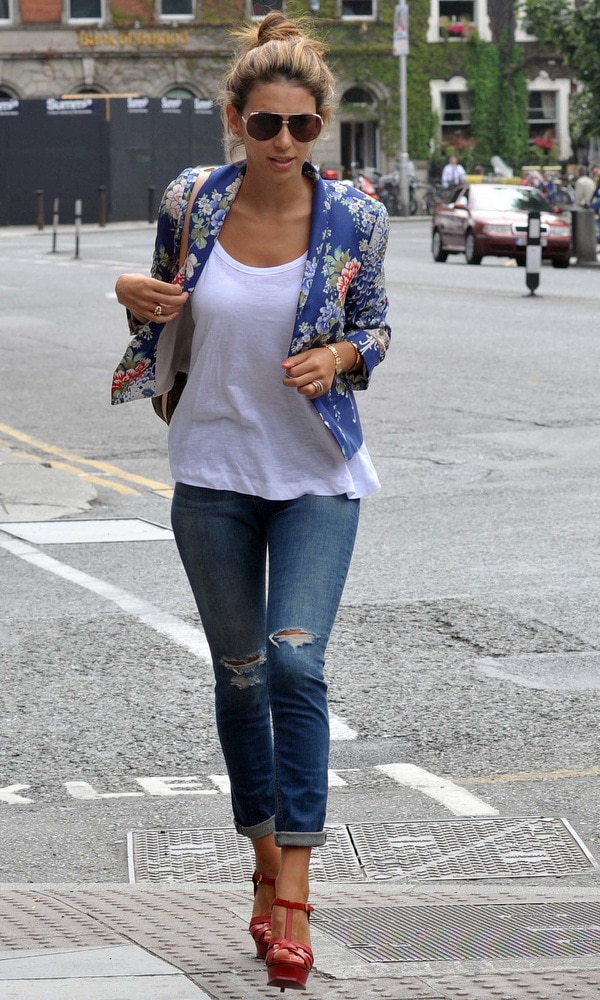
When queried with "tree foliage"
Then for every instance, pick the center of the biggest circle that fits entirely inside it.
(574, 32)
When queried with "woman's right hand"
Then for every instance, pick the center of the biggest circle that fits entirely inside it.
(147, 298)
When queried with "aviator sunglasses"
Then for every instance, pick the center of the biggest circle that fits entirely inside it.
(264, 125)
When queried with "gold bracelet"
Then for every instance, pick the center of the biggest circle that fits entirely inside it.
(338, 360)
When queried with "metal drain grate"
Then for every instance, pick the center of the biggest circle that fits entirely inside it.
(223, 856)
(460, 933)
(470, 849)
(455, 849)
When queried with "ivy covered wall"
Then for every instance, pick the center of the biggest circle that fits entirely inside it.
(364, 50)
(496, 79)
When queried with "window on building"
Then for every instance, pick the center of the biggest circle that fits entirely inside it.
(458, 19)
(456, 109)
(179, 92)
(5, 10)
(451, 102)
(455, 118)
(359, 8)
(85, 10)
(358, 96)
(548, 106)
(174, 9)
(541, 107)
(542, 118)
(261, 9)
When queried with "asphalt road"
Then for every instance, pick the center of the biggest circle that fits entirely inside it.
(468, 640)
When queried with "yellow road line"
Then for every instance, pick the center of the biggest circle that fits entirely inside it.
(590, 772)
(96, 480)
(89, 478)
(106, 467)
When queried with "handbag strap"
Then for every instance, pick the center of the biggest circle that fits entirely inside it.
(185, 232)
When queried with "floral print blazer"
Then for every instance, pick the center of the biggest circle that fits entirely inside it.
(342, 296)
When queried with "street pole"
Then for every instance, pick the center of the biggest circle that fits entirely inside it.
(403, 158)
(400, 49)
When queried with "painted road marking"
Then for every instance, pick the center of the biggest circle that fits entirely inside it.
(170, 785)
(11, 796)
(213, 784)
(164, 489)
(173, 785)
(190, 637)
(589, 772)
(458, 800)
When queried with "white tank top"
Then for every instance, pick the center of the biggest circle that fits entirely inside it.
(237, 427)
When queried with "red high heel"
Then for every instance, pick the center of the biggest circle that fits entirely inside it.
(284, 972)
(260, 926)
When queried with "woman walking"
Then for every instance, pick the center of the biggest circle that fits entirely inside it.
(284, 272)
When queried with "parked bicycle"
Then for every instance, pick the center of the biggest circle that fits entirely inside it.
(388, 189)
(434, 195)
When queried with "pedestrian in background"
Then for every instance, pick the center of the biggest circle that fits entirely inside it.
(584, 188)
(453, 173)
(285, 274)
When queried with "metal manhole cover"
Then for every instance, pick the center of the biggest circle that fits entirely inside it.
(458, 933)
(223, 856)
(470, 849)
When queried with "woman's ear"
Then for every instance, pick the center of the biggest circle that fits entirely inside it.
(234, 121)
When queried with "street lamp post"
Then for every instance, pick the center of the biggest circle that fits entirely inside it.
(401, 50)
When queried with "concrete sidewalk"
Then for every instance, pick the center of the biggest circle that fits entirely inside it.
(388, 941)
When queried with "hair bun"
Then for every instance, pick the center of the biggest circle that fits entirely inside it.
(275, 27)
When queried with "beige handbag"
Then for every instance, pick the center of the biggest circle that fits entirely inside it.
(165, 402)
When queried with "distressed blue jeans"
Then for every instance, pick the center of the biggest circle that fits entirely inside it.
(267, 577)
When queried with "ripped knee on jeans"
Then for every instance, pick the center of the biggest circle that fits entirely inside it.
(293, 636)
(243, 671)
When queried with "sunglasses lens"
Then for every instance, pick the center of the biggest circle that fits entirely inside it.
(264, 125)
(304, 128)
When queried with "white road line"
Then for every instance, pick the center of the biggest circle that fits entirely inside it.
(340, 730)
(190, 637)
(458, 800)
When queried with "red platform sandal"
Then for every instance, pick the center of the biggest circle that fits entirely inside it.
(260, 926)
(287, 973)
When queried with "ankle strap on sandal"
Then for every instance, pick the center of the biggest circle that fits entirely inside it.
(291, 905)
(259, 878)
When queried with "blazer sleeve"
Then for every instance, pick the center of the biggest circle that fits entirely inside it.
(171, 213)
(367, 305)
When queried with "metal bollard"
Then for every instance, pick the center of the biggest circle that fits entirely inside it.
(584, 236)
(533, 252)
(55, 217)
(77, 226)
(102, 205)
(151, 192)
(39, 208)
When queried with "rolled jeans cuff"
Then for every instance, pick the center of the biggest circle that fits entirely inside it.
(287, 838)
(260, 830)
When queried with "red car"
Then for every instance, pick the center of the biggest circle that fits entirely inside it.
(483, 220)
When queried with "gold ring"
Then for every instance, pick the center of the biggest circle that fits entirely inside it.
(158, 310)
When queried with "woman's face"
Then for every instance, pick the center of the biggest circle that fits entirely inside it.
(281, 157)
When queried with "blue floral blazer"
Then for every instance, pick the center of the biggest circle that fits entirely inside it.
(342, 297)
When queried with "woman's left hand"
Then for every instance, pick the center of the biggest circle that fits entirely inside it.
(311, 373)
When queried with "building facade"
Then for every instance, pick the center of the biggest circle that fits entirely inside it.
(177, 50)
